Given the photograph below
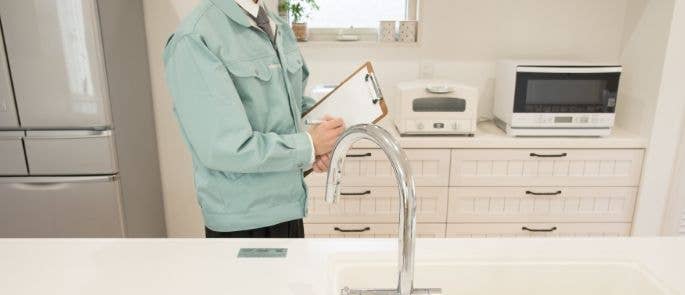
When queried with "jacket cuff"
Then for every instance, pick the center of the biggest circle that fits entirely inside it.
(313, 154)
(303, 149)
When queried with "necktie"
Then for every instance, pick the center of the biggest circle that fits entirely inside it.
(264, 23)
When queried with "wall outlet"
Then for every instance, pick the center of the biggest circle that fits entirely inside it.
(427, 70)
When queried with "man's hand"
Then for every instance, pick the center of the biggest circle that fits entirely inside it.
(321, 163)
(325, 135)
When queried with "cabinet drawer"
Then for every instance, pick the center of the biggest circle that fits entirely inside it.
(12, 161)
(541, 204)
(501, 230)
(64, 207)
(70, 152)
(371, 167)
(546, 167)
(370, 230)
(375, 205)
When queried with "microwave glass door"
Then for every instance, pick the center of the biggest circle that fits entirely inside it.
(566, 92)
(439, 104)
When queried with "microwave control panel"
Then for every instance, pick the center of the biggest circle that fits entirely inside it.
(562, 119)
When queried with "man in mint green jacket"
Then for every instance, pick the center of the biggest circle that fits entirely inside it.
(237, 78)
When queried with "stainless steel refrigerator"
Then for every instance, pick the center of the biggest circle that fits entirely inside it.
(77, 143)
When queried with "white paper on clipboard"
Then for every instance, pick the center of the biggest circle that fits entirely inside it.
(357, 100)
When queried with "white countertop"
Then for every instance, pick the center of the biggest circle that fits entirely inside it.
(489, 136)
(200, 266)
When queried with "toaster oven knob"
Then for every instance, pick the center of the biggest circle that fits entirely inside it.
(419, 126)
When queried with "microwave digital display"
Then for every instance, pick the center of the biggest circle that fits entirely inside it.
(439, 104)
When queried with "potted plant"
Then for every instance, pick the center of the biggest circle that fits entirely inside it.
(299, 11)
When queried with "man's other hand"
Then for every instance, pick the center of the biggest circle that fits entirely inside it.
(321, 163)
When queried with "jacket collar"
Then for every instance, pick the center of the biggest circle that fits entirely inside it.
(233, 11)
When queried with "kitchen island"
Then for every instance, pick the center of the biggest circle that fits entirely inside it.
(311, 266)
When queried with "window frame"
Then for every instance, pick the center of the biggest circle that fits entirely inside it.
(365, 34)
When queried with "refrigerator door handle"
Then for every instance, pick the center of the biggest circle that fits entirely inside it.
(48, 181)
(67, 134)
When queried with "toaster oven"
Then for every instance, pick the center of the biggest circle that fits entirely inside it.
(428, 107)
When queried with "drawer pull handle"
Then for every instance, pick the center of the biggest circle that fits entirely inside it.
(539, 230)
(361, 230)
(543, 194)
(359, 155)
(356, 194)
(549, 156)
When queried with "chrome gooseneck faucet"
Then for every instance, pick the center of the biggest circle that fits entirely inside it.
(405, 181)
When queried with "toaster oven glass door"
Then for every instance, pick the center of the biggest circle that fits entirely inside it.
(566, 92)
(439, 104)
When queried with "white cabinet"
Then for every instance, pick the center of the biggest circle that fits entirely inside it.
(498, 192)
(541, 204)
(370, 230)
(60, 207)
(546, 167)
(505, 230)
(56, 61)
(375, 205)
(364, 167)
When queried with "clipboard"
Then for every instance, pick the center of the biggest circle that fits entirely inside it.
(357, 100)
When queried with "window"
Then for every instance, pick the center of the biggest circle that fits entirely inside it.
(363, 15)
(356, 13)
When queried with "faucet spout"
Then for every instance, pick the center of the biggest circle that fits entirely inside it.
(407, 194)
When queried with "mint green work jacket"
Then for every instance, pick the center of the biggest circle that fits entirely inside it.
(238, 101)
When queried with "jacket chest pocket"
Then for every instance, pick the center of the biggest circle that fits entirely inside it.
(254, 82)
(294, 62)
(263, 93)
(257, 69)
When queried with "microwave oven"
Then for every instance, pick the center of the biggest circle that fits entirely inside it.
(552, 98)
(435, 107)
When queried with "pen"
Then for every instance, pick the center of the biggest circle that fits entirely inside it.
(312, 122)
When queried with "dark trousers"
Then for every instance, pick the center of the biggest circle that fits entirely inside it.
(288, 229)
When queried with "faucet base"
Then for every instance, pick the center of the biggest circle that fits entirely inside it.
(430, 291)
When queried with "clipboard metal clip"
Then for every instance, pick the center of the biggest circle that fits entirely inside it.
(370, 77)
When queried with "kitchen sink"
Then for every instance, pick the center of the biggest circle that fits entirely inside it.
(548, 278)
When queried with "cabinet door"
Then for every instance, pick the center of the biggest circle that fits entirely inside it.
(546, 167)
(375, 205)
(542, 204)
(364, 167)
(56, 62)
(8, 111)
(370, 230)
(508, 230)
(60, 207)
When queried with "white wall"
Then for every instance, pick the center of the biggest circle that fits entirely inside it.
(659, 169)
(674, 220)
(461, 39)
(183, 218)
(646, 35)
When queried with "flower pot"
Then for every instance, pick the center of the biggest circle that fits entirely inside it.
(301, 31)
